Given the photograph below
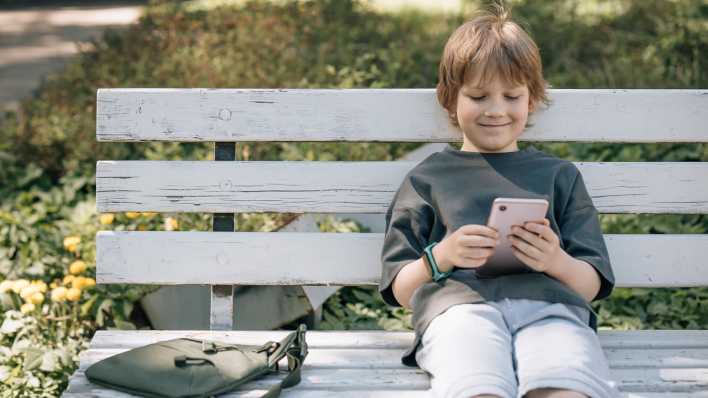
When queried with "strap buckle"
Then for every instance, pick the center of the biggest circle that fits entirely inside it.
(209, 347)
(269, 347)
(182, 361)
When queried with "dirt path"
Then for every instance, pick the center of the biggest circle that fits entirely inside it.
(37, 41)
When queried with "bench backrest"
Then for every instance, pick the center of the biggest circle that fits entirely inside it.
(229, 186)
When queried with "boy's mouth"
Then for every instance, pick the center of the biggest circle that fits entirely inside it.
(494, 125)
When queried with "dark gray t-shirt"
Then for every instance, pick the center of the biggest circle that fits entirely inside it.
(452, 188)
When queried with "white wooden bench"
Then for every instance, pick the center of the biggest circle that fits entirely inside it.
(649, 363)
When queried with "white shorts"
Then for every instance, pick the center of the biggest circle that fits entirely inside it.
(511, 346)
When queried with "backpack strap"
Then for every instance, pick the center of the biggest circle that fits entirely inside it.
(295, 347)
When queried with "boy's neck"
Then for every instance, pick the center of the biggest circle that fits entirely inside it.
(469, 147)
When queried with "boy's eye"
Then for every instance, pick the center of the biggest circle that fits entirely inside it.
(507, 96)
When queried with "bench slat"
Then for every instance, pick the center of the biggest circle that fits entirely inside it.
(373, 339)
(80, 389)
(629, 380)
(92, 391)
(656, 361)
(369, 187)
(600, 115)
(287, 258)
(385, 358)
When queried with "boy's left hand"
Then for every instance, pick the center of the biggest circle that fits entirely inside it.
(536, 245)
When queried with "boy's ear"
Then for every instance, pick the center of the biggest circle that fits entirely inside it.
(532, 106)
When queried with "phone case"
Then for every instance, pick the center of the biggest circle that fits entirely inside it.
(506, 212)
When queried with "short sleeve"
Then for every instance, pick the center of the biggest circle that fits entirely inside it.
(582, 236)
(408, 226)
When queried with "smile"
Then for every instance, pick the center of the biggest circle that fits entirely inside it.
(494, 125)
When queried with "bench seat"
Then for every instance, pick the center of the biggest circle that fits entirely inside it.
(646, 363)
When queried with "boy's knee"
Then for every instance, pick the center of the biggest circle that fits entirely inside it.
(554, 393)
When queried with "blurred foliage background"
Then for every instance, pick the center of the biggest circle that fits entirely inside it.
(48, 148)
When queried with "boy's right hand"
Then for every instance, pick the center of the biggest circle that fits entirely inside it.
(468, 247)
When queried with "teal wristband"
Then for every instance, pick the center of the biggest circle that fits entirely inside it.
(437, 275)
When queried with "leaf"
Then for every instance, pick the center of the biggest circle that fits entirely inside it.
(10, 326)
(20, 346)
(33, 358)
(50, 361)
(66, 355)
(657, 308)
(103, 310)
(6, 301)
(5, 354)
(124, 325)
(84, 213)
(127, 309)
(33, 381)
(86, 307)
(362, 295)
(37, 269)
(4, 373)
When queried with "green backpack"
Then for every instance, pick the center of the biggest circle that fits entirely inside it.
(186, 367)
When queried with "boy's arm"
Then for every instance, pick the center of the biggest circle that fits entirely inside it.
(413, 275)
(408, 279)
(584, 264)
(576, 274)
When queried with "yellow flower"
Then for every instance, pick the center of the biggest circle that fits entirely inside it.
(19, 285)
(132, 214)
(149, 214)
(59, 294)
(77, 267)
(107, 218)
(79, 282)
(27, 307)
(68, 279)
(171, 224)
(41, 285)
(73, 294)
(71, 241)
(53, 285)
(6, 286)
(142, 227)
(37, 298)
(28, 291)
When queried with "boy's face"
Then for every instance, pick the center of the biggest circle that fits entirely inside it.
(493, 115)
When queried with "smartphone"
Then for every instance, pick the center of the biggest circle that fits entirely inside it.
(505, 213)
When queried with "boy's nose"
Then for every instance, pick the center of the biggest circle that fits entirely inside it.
(494, 109)
(493, 113)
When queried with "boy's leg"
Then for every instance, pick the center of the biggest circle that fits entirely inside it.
(467, 352)
(555, 349)
(554, 393)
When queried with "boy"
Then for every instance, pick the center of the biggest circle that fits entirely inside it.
(529, 334)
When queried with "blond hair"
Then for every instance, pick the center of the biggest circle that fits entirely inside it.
(488, 45)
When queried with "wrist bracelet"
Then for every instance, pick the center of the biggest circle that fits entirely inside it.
(433, 265)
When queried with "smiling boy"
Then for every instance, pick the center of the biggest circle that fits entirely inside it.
(520, 335)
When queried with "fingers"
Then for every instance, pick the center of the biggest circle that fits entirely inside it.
(476, 251)
(525, 258)
(526, 234)
(473, 241)
(476, 229)
(541, 230)
(530, 250)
